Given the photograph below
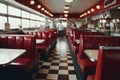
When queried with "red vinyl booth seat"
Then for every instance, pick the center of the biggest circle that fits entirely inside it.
(93, 42)
(27, 42)
(77, 33)
(108, 64)
(49, 36)
(42, 48)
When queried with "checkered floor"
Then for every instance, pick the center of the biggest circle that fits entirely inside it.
(59, 66)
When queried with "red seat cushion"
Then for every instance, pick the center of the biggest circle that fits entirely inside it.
(24, 63)
(41, 47)
(21, 61)
(91, 77)
(87, 65)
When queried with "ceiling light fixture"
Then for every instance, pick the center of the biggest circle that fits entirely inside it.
(65, 11)
(98, 7)
(92, 10)
(69, 1)
(67, 7)
(32, 2)
(39, 6)
(88, 12)
(85, 13)
(45, 11)
(66, 15)
(42, 9)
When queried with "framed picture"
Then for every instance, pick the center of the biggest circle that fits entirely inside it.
(109, 3)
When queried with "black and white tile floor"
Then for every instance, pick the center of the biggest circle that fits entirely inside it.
(59, 66)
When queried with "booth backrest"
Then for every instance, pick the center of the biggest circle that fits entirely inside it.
(3, 41)
(27, 42)
(108, 65)
(94, 42)
(77, 33)
(39, 35)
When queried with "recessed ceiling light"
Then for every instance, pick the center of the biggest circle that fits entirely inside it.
(32, 2)
(39, 6)
(85, 13)
(66, 15)
(98, 7)
(66, 11)
(42, 9)
(88, 12)
(69, 1)
(92, 10)
(67, 7)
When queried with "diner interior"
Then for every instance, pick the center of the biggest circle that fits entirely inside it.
(59, 39)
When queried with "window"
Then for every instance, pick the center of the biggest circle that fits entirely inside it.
(25, 23)
(14, 11)
(42, 18)
(32, 16)
(43, 24)
(3, 8)
(37, 17)
(38, 24)
(25, 14)
(14, 23)
(3, 20)
(32, 23)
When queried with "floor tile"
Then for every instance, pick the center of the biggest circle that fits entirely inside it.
(54, 67)
(71, 72)
(71, 68)
(70, 64)
(63, 58)
(59, 66)
(63, 64)
(69, 57)
(45, 71)
(63, 61)
(53, 71)
(72, 77)
(45, 67)
(41, 76)
(55, 64)
(52, 76)
(55, 61)
(63, 67)
(63, 72)
(46, 64)
(51, 58)
(63, 77)
(56, 56)
(70, 61)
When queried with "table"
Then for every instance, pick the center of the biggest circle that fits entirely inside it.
(77, 41)
(39, 41)
(8, 55)
(92, 54)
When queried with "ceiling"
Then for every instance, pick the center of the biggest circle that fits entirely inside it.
(56, 7)
(77, 6)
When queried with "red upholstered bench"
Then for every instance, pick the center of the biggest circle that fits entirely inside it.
(93, 42)
(108, 64)
(76, 36)
(49, 36)
(42, 48)
(26, 62)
